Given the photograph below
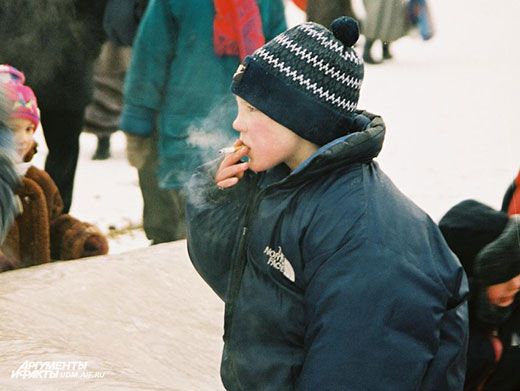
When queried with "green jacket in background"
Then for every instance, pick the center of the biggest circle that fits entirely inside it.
(176, 79)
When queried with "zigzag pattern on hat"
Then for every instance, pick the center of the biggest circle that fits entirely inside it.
(306, 82)
(320, 64)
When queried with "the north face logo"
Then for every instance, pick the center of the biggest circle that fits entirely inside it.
(278, 260)
(515, 340)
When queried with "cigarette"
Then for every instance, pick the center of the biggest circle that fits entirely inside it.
(228, 150)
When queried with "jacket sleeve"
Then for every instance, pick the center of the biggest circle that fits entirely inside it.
(8, 181)
(273, 18)
(373, 323)
(153, 51)
(214, 220)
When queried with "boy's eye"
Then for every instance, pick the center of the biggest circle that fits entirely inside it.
(251, 108)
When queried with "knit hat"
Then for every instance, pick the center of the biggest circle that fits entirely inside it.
(499, 261)
(25, 104)
(5, 104)
(9, 74)
(307, 79)
(468, 227)
(22, 96)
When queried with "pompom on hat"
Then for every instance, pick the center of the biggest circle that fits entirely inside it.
(311, 70)
(24, 103)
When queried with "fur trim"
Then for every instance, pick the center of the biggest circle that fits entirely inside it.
(10, 250)
(6, 263)
(49, 188)
(73, 239)
(33, 225)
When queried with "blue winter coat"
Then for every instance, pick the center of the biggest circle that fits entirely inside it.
(332, 278)
(176, 77)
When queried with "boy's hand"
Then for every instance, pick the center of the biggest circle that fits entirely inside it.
(231, 169)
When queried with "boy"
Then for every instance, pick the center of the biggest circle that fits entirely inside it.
(333, 280)
(42, 231)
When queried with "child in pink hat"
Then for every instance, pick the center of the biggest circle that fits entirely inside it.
(42, 232)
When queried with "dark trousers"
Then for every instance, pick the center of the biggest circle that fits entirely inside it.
(62, 129)
(163, 211)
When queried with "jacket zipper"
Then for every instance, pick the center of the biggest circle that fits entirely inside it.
(238, 267)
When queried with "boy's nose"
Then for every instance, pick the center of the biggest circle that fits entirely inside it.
(237, 125)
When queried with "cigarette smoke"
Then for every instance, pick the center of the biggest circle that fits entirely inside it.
(209, 134)
(215, 131)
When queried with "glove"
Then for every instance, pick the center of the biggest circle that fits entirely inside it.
(137, 150)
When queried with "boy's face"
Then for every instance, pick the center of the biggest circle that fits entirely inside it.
(23, 130)
(269, 142)
(503, 294)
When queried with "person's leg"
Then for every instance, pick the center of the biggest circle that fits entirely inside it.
(177, 213)
(348, 10)
(367, 52)
(157, 220)
(387, 55)
(62, 129)
(103, 147)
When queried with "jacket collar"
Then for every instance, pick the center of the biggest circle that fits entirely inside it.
(362, 145)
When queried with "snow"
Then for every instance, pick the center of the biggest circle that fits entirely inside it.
(145, 321)
(450, 105)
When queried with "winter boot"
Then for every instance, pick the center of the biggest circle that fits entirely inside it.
(386, 51)
(103, 148)
(367, 52)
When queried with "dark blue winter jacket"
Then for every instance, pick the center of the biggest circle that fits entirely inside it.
(332, 278)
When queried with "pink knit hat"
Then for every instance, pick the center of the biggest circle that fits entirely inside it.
(24, 101)
(9, 74)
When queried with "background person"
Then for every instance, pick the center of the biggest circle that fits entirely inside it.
(55, 43)
(42, 231)
(325, 11)
(385, 21)
(511, 200)
(8, 177)
(487, 242)
(178, 86)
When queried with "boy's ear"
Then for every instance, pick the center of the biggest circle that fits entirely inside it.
(29, 155)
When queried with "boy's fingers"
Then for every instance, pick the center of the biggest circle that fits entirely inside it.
(231, 171)
(234, 157)
(229, 182)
